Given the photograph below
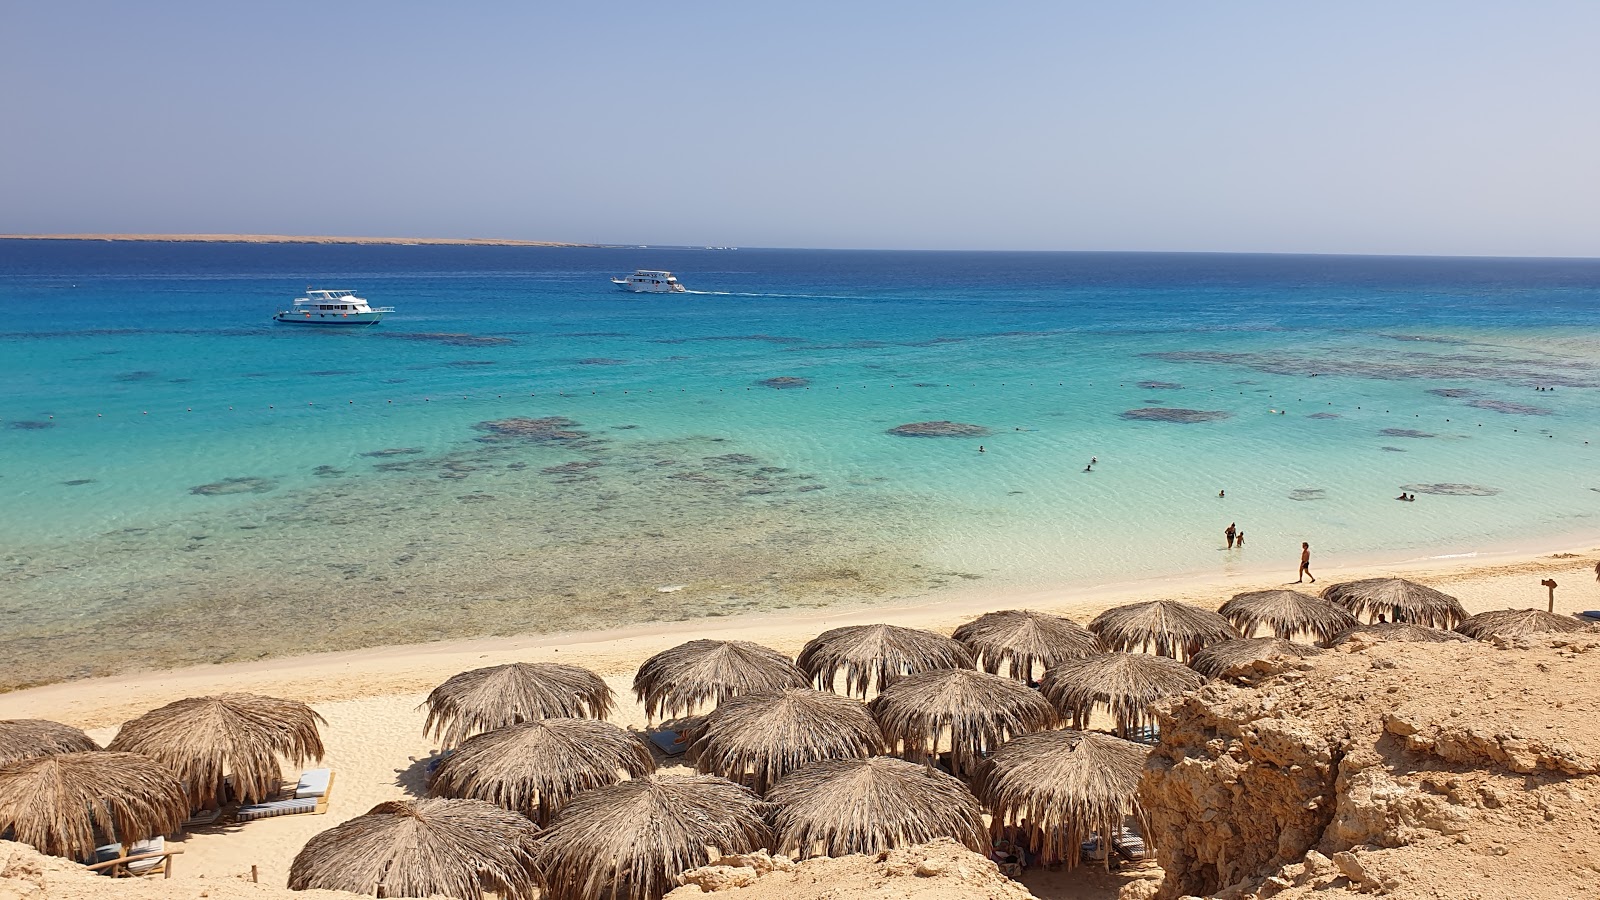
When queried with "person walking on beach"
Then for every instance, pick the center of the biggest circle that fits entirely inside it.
(1229, 533)
(1305, 563)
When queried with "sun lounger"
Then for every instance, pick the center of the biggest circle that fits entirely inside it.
(669, 742)
(202, 818)
(154, 851)
(141, 858)
(310, 798)
(314, 783)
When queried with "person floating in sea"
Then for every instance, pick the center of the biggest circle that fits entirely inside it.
(1222, 493)
(1402, 496)
(1093, 460)
(1230, 532)
(980, 448)
(1305, 563)
(1089, 467)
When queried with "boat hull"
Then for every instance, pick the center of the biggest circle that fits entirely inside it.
(330, 320)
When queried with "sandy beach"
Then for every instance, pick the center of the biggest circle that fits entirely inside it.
(371, 697)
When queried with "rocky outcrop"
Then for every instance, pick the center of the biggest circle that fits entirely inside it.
(1399, 769)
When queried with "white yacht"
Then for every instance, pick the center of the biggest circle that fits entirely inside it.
(650, 281)
(332, 308)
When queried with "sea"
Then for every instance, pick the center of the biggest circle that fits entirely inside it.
(523, 448)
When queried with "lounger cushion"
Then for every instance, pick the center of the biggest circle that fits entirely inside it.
(140, 848)
(669, 742)
(314, 783)
(277, 808)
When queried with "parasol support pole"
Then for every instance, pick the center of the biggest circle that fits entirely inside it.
(1551, 584)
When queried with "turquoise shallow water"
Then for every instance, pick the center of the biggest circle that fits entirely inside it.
(522, 448)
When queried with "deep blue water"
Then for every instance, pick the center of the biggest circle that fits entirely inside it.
(140, 372)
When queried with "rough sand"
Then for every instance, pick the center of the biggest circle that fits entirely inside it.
(289, 239)
(374, 733)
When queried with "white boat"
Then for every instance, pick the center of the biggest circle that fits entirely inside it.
(650, 281)
(332, 308)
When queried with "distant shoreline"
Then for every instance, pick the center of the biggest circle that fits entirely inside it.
(291, 239)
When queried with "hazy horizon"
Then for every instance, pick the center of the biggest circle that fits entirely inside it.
(1435, 129)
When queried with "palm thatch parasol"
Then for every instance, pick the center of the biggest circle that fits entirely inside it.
(1396, 600)
(206, 739)
(1516, 622)
(1217, 659)
(1168, 628)
(870, 656)
(975, 711)
(1124, 683)
(1400, 631)
(1065, 787)
(680, 680)
(630, 841)
(64, 803)
(486, 699)
(423, 848)
(22, 738)
(1286, 614)
(842, 806)
(536, 767)
(1022, 640)
(755, 739)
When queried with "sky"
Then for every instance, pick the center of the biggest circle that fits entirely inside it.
(1455, 128)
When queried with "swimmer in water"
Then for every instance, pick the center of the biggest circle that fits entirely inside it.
(980, 448)
(1222, 493)
(1093, 460)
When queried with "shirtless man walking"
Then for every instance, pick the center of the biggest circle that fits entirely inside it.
(1305, 564)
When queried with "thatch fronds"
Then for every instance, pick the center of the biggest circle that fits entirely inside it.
(22, 738)
(63, 803)
(206, 739)
(1164, 627)
(423, 848)
(1064, 787)
(631, 840)
(1392, 631)
(870, 656)
(536, 767)
(1487, 626)
(486, 699)
(1123, 683)
(970, 712)
(1396, 600)
(1215, 660)
(1286, 614)
(1024, 643)
(842, 806)
(755, 739)
(680, 680)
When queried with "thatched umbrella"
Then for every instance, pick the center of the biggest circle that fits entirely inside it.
(64, 803)
(22, 738)
(536, 767)
(1166, 627)
(1064, 787)
(1400, 631)
(486, 699)
(870, 656)
(688, 676)
(975, 711)
(1021, 640)
(630, 841)
(755, 739)
(423, 848)
(1516, 622)
(1396, 600)
(1216, 659)
(1124, 683)
(206, 739)
(1286, 614)
(842, 806)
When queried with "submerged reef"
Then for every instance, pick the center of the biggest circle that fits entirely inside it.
(248, 485)
(450, 338)
(1509, 408)
(1308, 494)
(1161, 385)
(941, 428)
(549, 428)
(394, 451)
(783, 382)
(1181, 416)
(1448, 489)
(1324, 415)
(1398, 367)
(601, 361)
(30, 425)
(1453, 393)
(1406, 433)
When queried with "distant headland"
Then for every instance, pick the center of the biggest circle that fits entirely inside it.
(290, 239)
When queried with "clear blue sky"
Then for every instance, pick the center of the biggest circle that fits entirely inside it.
(1347, 127)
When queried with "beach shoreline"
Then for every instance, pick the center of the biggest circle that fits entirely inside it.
(293, 239)
(1487, 579)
